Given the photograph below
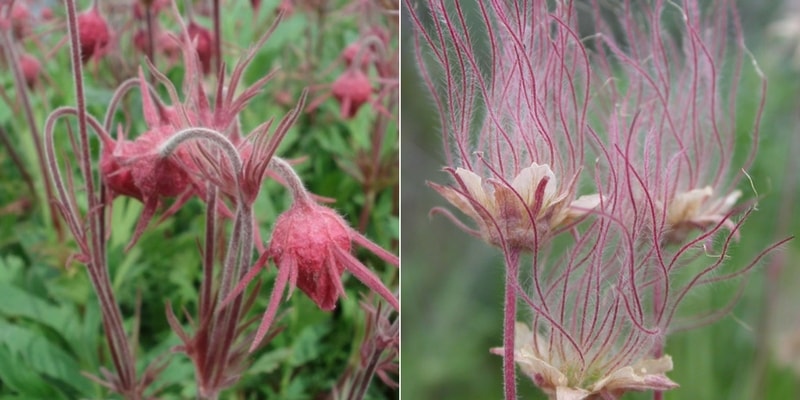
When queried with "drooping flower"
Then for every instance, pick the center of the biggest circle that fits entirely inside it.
(311, 246)
(31, 68)
(352, 89)
(204, 44)
(94, 34)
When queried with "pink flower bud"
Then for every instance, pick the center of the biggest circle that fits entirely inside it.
(305, 236)
(351, 51)
(20, 19)
(352, 89)
(31, 67)
(47, 13)
(93, 34)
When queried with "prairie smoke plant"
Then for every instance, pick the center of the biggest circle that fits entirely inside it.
(311, 247)
(522, 99)
(513, 113)
(192, 146)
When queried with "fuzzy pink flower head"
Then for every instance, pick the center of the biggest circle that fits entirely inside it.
(140, 169)
(154, 173)
(118, 178)
(136, 169)
(93, 34)
(47, 14)
(305, 236)
(351, 51)
(31, 68)
(21, 19)
(311, 247)
(351, 89)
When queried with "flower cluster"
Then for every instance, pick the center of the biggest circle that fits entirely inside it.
(622, 138)
(191, 143)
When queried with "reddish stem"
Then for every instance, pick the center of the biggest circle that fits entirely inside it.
(509, 321)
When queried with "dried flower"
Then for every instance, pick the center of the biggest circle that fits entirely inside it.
(646, 374)
(506, 214)
(695, 209)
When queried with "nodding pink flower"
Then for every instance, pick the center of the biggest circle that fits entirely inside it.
(352, 89)
(311, 246)
(21, 19)
(155, 165)
(165, 43)
(351, 51)
(93, 33)
(31, 68)
(47, 13)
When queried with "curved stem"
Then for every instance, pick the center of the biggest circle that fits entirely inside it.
(293, 182)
